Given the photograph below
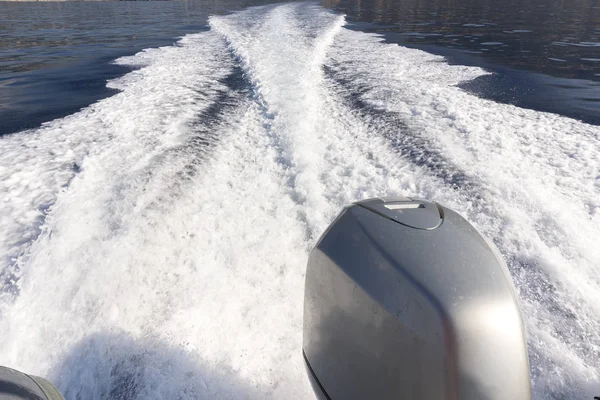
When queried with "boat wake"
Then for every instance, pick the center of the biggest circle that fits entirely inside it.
(153, 245)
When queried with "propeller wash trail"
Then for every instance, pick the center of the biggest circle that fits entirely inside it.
(153, 245)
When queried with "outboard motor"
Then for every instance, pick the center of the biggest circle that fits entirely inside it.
(404, 299)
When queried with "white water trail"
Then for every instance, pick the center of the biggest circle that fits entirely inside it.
(169, 262)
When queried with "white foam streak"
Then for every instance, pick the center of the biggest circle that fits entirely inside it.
(287, 79)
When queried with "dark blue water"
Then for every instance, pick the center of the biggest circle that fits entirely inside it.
(55, 58)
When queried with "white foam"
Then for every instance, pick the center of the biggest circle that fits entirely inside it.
(74, 283)
(35, 165)
(172, 265)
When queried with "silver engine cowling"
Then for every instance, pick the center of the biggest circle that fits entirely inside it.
(404, 299)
